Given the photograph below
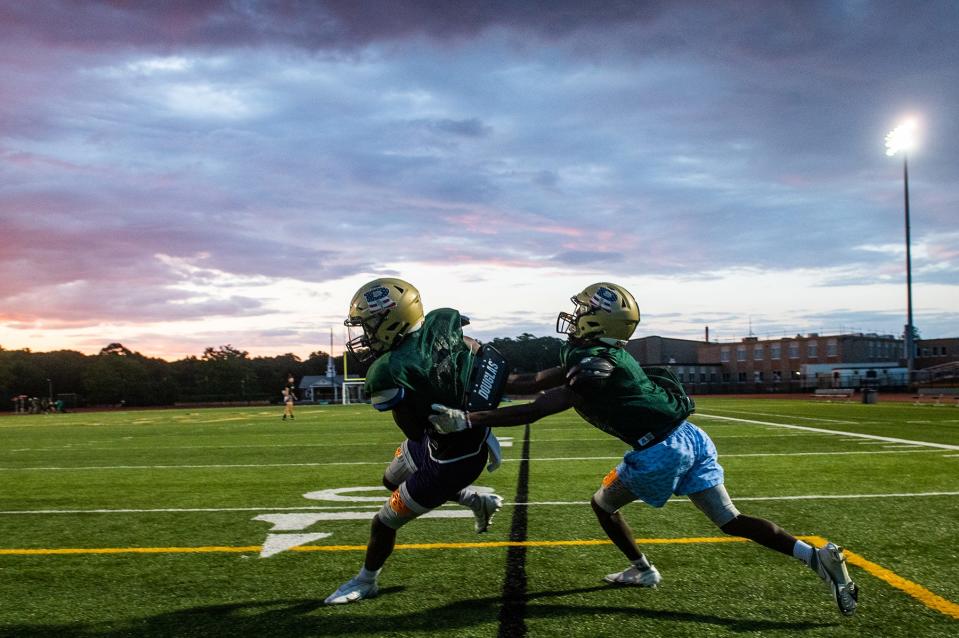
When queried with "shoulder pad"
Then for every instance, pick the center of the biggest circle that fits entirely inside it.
(590, 369)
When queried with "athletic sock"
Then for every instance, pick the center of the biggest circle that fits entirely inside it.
(803, 551)
(368, 576)
(642, 563)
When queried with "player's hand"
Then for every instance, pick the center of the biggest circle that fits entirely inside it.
(590, 369)
(447, 420)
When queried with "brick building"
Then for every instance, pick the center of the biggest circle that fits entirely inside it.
(780, 364)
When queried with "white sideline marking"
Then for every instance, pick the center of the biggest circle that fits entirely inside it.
(792, 416)
(457, 512)
(915, 449)
(874, 437)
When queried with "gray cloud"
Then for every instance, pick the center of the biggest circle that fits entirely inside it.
(314, 140)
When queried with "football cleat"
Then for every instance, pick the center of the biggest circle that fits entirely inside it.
(351, 591)
(484, 506)
(635, 576)
(830, 563)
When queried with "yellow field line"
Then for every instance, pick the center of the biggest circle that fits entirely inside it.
(352, 548)
(920, 593)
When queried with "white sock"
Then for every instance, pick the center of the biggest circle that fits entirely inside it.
(803, 551)
(367, 576)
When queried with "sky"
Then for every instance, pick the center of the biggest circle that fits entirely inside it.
(179, 175)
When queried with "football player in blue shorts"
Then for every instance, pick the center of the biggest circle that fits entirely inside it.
(648, 411)
(419, 360)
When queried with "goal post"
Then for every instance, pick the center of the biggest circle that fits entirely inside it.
(352, 390)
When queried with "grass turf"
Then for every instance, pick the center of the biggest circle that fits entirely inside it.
(199, 478)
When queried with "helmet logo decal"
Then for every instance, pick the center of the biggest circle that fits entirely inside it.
(378, 299)
(604, 299)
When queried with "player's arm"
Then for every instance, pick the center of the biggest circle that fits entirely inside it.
(531, 383)
(550, 402)
(448, 420)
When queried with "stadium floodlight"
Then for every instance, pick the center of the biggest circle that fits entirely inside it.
(902, 139)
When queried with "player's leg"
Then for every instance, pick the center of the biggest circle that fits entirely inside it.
(483, 504)
(399, 510)
(425, 489)
(402, 465)
(612, 495)
(703, 484)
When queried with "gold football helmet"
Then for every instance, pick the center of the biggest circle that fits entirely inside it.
(386, 309)
(604, 311)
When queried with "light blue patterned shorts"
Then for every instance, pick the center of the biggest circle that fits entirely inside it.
(685, 462)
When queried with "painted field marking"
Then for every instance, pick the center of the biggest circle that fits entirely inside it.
(914, 590)
(794, 416)
(312, 508)
(874, 437)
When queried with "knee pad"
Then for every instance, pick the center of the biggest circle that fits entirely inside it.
(399, 468)
(716, 504)
(400, 509)
(612, 494)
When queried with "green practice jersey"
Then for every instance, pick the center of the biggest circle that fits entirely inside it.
(431, 365)
(628, 404)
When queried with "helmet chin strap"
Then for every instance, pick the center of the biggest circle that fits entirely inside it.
(616, 343)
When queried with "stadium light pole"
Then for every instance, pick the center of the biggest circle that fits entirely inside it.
(50, 389)
(902, 139)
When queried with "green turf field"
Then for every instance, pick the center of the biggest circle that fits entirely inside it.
(151, 523)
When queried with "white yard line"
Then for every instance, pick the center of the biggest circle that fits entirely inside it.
(873, 437)
(793, 416)
(309, 508)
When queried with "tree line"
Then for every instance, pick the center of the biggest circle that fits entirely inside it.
(119, 376)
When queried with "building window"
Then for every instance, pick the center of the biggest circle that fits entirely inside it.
(681, 377)
(793, 349)
(742, 377)
(758, 376)
(777, 376)
(758, 353)
(812, 350)
(832, 348)
(702, 377)
(775, 351)
(725, 377)
(712, 377)
(724, 355)
(741, 353)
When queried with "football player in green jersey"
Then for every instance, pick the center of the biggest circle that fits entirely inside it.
(647, 410)
(419, 359)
